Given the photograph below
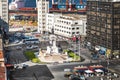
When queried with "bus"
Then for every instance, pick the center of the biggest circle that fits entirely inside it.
(32, 41)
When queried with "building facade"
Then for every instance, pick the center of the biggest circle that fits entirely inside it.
(50, 20)
(43, 9)
(4, 13)
(103, 24)
(66, 25)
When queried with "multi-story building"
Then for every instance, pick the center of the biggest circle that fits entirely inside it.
(43, 8)
(66, 25)
(50, 20)
(103, 24)
(4, 13)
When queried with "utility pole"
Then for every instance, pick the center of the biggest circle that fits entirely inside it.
(79, 38)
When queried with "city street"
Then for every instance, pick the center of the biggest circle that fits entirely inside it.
(17, 57)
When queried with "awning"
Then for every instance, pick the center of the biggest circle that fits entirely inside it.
(98, 70)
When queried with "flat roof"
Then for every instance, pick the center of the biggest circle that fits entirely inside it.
(37, 71)
(73, 16)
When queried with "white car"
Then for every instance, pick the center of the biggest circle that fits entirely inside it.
(18, 47)
(67, 70)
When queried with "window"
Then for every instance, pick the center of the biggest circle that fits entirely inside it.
(73, 28)
(77, 28)
(76, 22)
(77, 32)
(73, 32)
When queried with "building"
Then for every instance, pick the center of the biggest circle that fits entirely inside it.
(4, 13)
(103, 25)
(66, 25)
(14, 5)
(50, 19)
(2, 60)
(68, 6)
(43, 8)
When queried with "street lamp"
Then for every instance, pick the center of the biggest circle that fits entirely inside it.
(78, 38)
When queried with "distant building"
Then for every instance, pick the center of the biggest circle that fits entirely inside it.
(67, 25)
(103, 25)
(43, 9)
(14, 5)
(4, 14)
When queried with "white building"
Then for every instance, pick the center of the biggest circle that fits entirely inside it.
(50, 19)
(4, 13)
(43, 9)
(67, 25)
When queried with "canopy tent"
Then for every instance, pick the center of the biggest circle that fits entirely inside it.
(88, 71)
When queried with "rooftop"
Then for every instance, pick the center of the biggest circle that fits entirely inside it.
(73, 16)
(39, 71)
(2, 73)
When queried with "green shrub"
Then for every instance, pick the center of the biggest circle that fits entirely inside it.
(66, 50)
(71, 54)
(35, 60)
(29, 54)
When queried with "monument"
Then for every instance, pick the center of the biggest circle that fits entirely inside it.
(52, 48)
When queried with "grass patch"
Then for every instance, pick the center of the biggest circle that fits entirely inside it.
(31, 56)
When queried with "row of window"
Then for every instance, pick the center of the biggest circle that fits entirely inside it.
(65, 22)
(59, 26)
(63, 31)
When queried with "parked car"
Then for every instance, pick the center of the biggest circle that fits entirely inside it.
(18, 47)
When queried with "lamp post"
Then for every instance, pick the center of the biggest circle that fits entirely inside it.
(79, 45)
